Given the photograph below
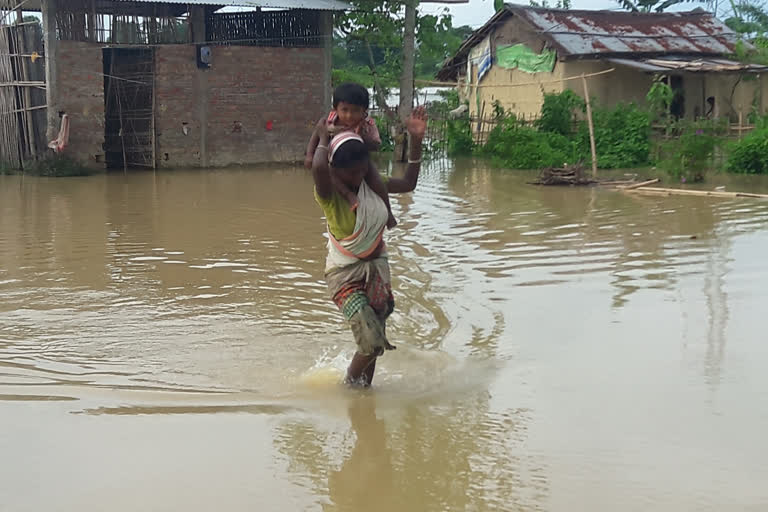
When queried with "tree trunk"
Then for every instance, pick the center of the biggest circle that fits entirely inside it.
(406, 78)
(381, 100)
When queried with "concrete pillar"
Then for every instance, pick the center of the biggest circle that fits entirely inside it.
(326, 24)
(197, 21)
(51, 45)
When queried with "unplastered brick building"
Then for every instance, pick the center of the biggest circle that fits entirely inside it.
(187, 83)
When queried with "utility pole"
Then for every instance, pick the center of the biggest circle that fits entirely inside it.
(51, 45)
(406, 78)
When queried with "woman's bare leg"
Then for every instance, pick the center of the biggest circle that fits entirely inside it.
(370, 371)
(361, 370)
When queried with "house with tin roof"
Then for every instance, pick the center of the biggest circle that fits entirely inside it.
(523, 52)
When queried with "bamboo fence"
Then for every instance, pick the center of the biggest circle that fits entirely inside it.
(22, 89)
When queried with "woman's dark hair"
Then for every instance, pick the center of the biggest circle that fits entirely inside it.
(354, 94)
(350, 153)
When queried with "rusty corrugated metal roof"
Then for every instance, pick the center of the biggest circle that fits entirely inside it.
(583, 33)
(320, 5)
(602, 34)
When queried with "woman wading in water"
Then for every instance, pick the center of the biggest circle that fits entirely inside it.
(357, 269)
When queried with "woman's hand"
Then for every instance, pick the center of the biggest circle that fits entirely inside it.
(417, 123)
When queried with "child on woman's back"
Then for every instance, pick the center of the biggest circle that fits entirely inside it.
(350, 113)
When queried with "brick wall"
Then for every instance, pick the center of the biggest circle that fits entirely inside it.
(232, 102)
(254, 86)
(245, 90)
(81, 96)
(176, 97)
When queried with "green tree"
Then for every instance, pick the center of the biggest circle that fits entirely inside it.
(649, 5)
(436, 40)
(559, 4)
(368, 44)
(751, 20)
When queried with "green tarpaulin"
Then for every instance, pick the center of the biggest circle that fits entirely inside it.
(523, 58)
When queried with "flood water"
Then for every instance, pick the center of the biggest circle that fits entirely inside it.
(166, 344)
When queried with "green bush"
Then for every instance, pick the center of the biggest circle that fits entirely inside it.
(515, 146)
(58, 166)
(449, 101)
(458, 135)
(750, 154)
(360, 75)
(557, 112)
(383, 124)
(622, 137)
(689, 155)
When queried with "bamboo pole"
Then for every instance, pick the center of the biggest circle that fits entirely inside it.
(556, 81)
(122, 132)
(700, 193)
(28, 109)
(591, 127)
(29, 118)
(480, 120)
(23, 84)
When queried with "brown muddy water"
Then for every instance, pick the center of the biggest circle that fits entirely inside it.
(166, 344)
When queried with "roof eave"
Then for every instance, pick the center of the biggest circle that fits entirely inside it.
(324, 5)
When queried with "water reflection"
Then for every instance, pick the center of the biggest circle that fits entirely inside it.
(717, 309)
(418, 456)
(367, 473)
(552, 235)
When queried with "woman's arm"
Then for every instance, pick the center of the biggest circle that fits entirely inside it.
(320, 171)
(417, 125)
(314, 140)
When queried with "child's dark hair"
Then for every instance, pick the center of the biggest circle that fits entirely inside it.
(350, 153)
(354, 94)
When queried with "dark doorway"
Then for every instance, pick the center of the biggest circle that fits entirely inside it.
(677, 107)
(129, 117)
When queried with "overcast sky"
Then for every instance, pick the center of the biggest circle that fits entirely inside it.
(477, 12)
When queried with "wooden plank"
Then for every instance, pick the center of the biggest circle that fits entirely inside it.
(700, 193)
(23, 84)
(641, 184)
(27, 109)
